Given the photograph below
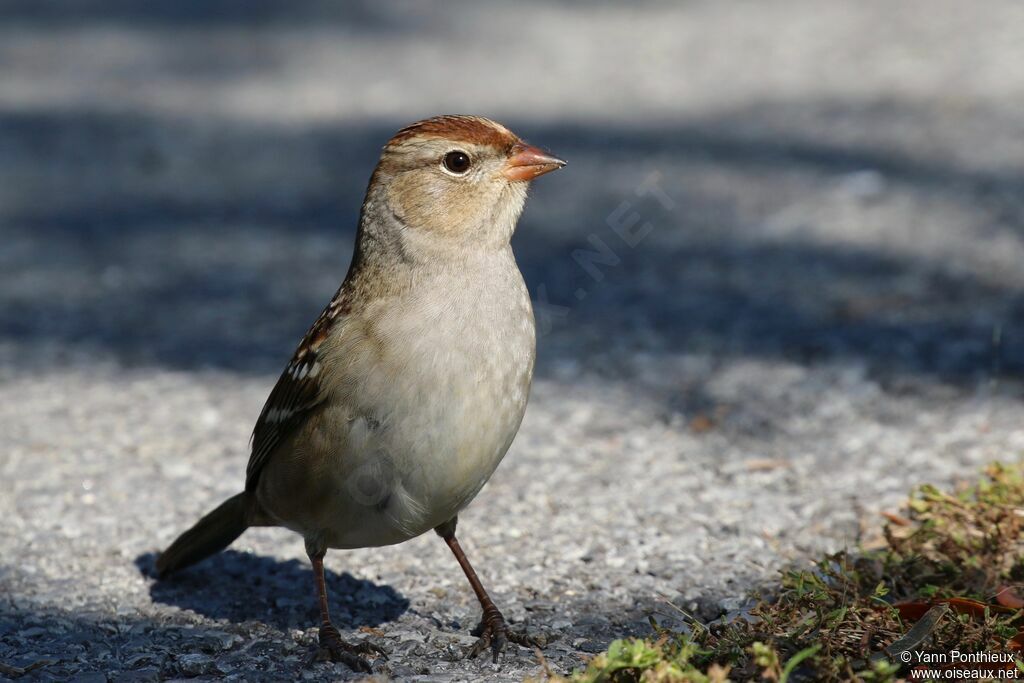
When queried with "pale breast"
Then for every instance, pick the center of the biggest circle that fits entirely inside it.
(444, 383)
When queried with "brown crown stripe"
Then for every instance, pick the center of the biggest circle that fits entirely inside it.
(472, 129)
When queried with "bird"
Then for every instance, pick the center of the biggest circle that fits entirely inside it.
(405, 394)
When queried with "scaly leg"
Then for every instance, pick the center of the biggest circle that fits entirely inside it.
(332, 647)
(493, 631)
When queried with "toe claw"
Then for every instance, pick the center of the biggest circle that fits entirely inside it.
(334, 649)
(368, 648)
(498, 644)
(494, 635)
(524, 639)
(480, 645)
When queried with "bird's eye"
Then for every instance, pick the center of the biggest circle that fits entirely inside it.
(457, 162)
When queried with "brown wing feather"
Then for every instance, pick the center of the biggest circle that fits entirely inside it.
(297, 391)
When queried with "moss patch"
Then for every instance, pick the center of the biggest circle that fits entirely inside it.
(949, 575)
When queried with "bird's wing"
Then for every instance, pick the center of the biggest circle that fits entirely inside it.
(298, 390)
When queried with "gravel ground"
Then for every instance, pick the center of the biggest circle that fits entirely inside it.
(821, 305)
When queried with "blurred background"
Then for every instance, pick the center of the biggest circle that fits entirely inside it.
(823, 303)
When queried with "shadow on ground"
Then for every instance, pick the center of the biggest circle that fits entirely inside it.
(55, 644)
(241, 586)
(213, 244)
(364, 15)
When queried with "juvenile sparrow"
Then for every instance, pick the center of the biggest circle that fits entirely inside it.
(407, 391)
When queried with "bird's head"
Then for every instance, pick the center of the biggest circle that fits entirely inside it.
(453, 179)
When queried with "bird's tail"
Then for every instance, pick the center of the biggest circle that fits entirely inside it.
(210, 535)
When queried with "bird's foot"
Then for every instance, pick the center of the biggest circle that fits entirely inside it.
(334, 649)
(494, 634)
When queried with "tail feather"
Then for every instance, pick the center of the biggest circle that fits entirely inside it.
(210, 535)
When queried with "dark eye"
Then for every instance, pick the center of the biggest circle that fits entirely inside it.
(456, 162)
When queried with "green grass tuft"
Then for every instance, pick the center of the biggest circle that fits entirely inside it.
(948, 576)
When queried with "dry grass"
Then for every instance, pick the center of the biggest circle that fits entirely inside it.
(944, 577)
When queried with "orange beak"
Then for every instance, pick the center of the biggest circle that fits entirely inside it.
(526, 162)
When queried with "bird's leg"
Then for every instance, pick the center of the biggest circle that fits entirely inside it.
(493, 631)
(332, 647)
